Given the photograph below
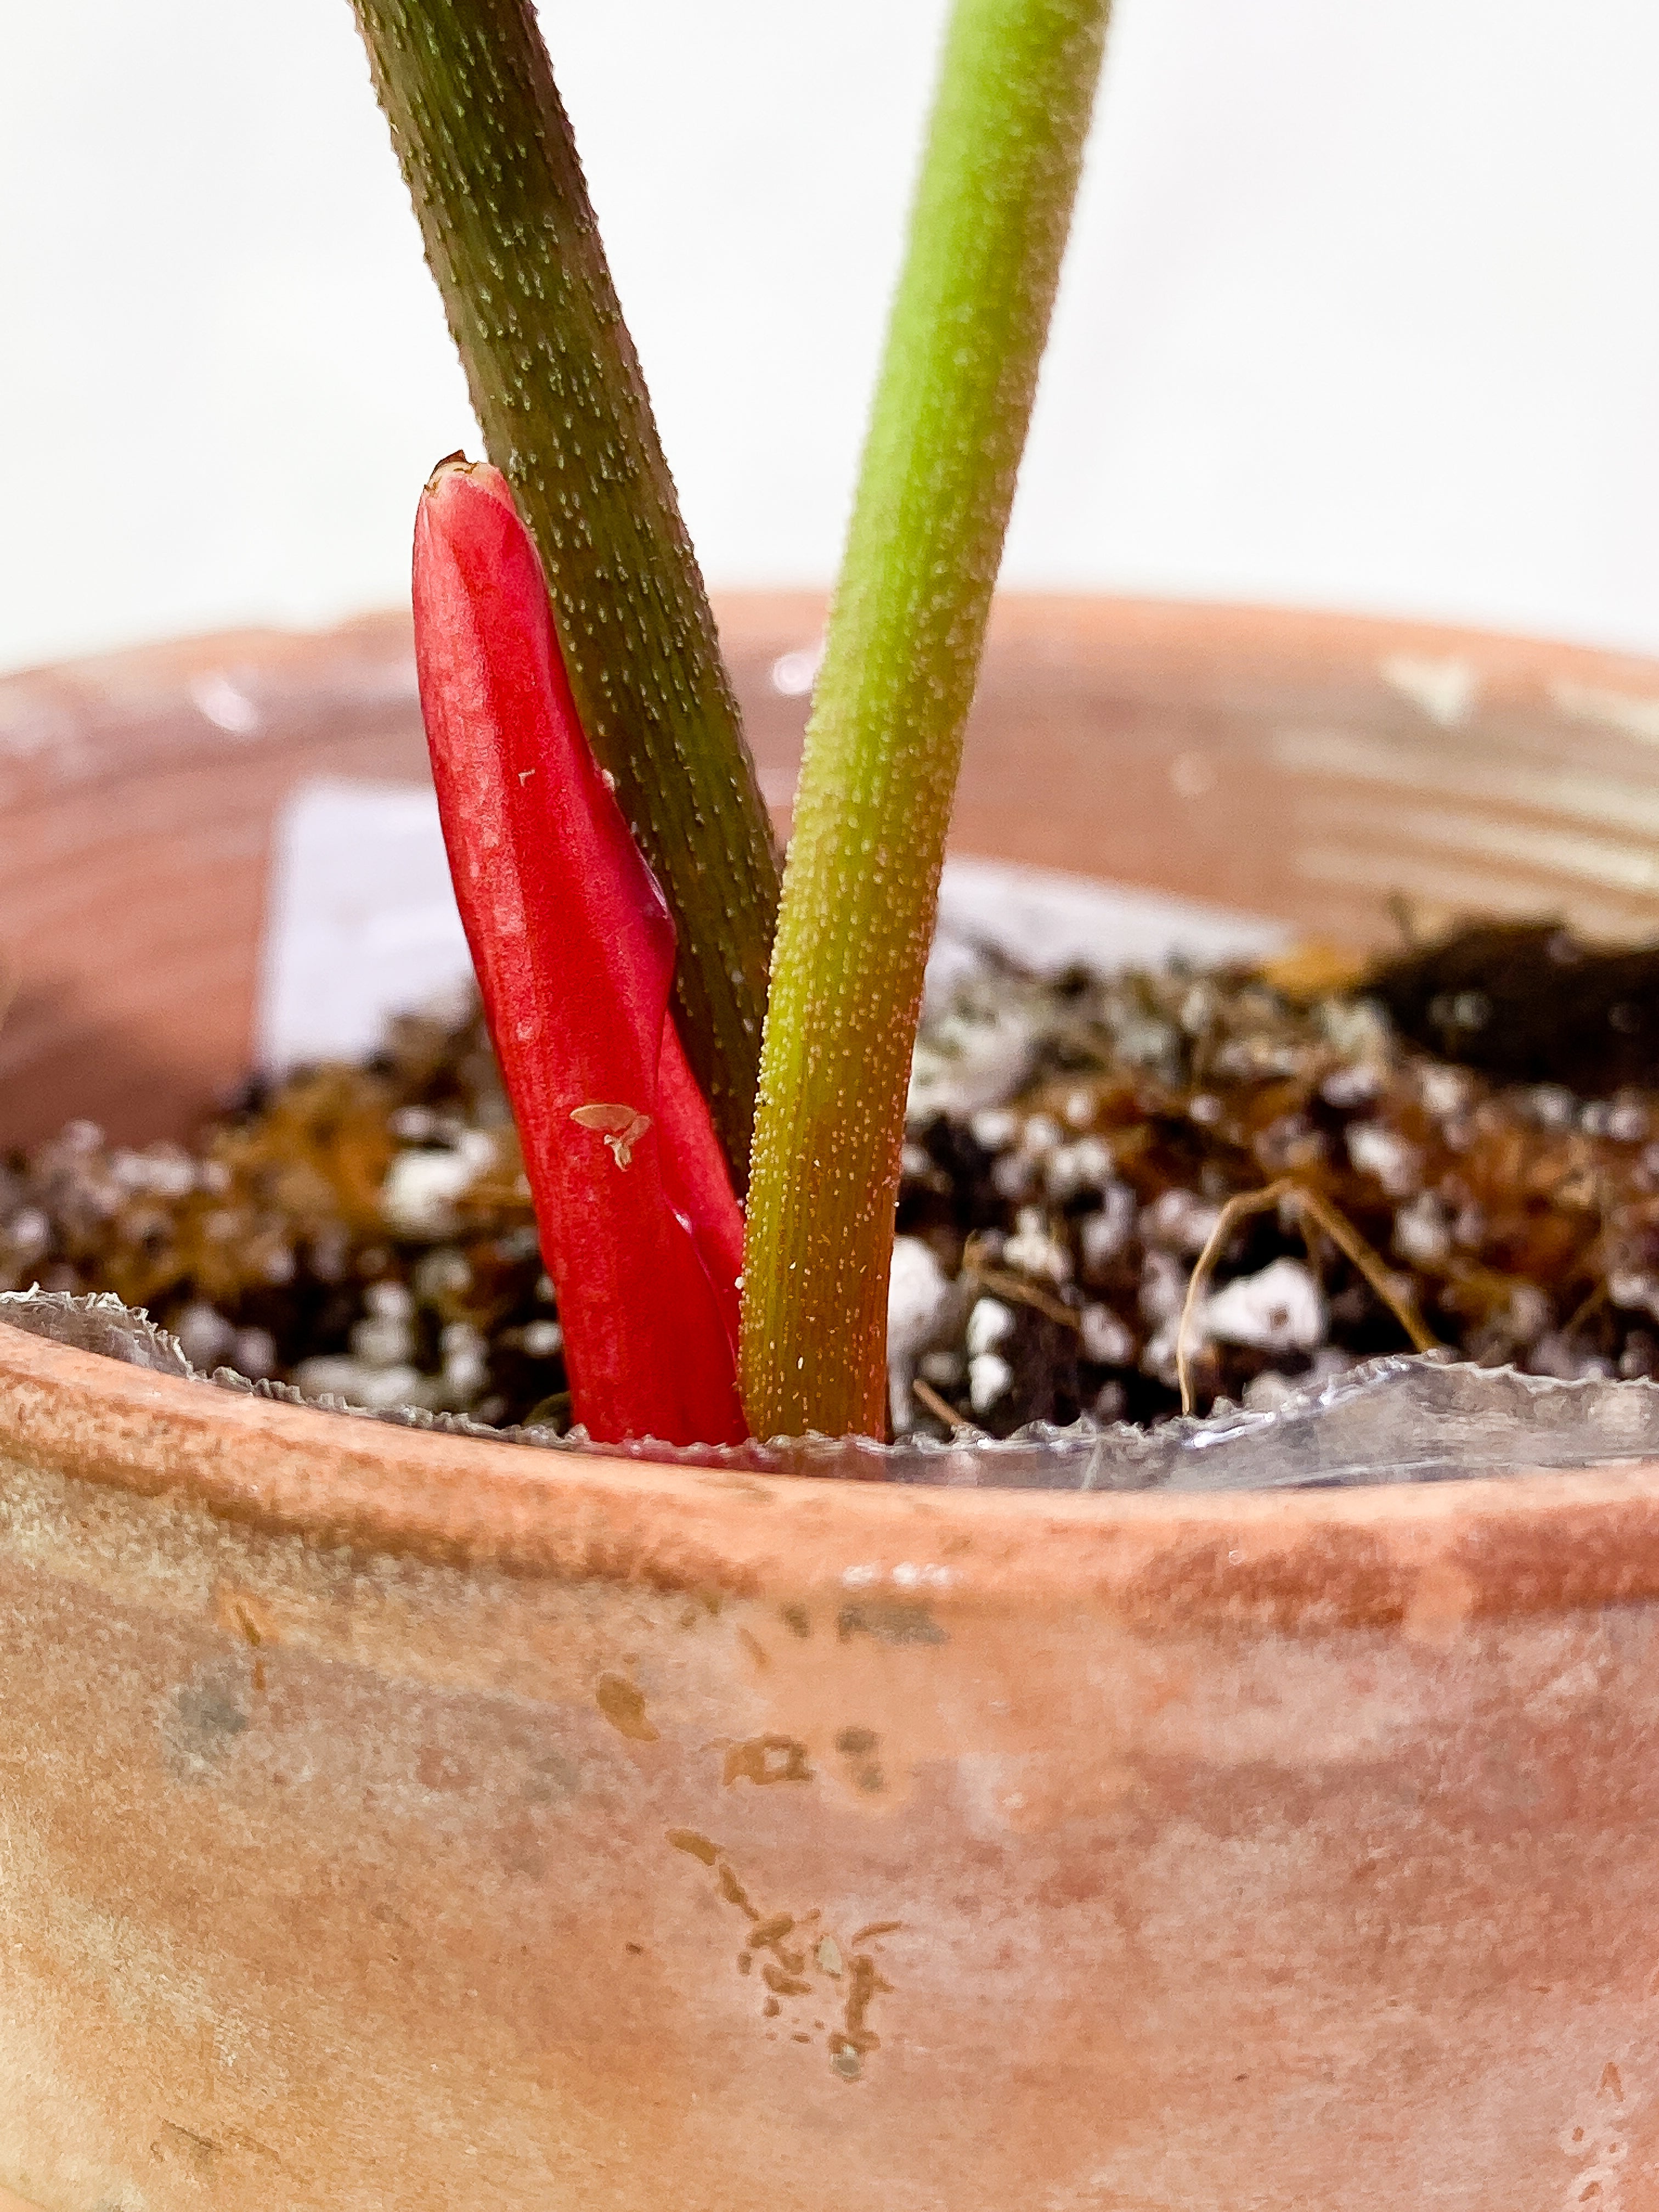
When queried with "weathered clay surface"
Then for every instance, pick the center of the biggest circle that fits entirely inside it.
(384, 1823)
(382, 1815)
(1297, 766)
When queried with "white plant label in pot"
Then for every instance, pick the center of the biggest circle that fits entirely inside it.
(361, 921)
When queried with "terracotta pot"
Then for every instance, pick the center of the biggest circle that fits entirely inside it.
(387, 1820)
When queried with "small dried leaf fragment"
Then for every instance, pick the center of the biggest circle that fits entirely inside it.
(621, 1127)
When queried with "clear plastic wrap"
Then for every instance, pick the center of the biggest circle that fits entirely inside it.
(1409, 1418)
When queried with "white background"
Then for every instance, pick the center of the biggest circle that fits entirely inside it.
(1361, 308)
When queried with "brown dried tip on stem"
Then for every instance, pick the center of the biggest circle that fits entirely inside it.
(1309, 1206)
(456, 460)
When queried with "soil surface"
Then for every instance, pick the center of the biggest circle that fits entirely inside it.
(1285, 1156)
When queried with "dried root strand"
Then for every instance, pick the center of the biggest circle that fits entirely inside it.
(1310, 1207)
(1007, 1285)
(938, 1406)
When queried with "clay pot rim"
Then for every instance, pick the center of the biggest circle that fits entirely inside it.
(1420, 1553)
(1411, 1554)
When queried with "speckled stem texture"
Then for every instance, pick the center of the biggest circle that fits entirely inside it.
(988, 232)
(488, 155)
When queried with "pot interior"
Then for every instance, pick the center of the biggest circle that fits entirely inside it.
(1305, 769)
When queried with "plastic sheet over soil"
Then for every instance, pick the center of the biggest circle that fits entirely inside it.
(1403, 1418)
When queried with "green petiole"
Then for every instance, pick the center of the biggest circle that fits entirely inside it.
(965, 342)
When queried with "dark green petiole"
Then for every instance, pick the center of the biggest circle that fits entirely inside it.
(489, 162)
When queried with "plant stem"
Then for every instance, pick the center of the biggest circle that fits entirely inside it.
(490, 163)
(965, 339)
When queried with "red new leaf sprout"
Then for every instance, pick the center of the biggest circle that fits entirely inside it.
(574, 952)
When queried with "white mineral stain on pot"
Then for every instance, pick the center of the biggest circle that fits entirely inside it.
(1426, 782)
(794, 674)
(908, 1574)
(29, 727)
(1632, 713)
(1192, 775)
(223, 702)
(1445, 690)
